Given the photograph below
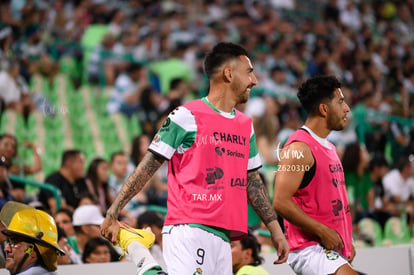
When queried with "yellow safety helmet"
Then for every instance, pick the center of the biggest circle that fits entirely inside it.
(9, 209)
(38, 227)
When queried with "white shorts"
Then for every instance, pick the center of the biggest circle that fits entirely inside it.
(315, 260)
(188, 250)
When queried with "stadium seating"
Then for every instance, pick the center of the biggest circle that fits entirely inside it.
(371, 229)
(396, 232)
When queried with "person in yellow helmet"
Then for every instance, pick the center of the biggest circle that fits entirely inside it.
(31, 240)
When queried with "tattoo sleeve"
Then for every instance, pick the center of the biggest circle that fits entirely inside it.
(258, 197)
(135, 182)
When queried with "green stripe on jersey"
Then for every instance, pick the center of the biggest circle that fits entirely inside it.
(253, 146)
(176, 136)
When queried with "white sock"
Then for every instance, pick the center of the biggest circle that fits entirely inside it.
(141, 257)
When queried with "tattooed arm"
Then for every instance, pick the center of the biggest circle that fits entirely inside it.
(133, 184)
(259, 199)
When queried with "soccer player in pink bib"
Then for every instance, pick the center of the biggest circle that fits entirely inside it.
(213, 167)
(310, 191)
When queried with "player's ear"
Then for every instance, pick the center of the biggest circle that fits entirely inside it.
(323, 109)
(227, 74)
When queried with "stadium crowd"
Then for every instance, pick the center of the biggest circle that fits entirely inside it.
(148, 56)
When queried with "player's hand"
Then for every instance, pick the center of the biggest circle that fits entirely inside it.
(109, 229)
(330, 239)
(282, 249)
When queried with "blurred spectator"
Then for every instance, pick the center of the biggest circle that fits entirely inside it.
(155, 221)
(5, 184)
(139, 148)
(97, 180)
(156, 190)
(148, 113)
(399, 185)
(372, 128)
(63, 244)
(88, 199)
(6, 37)
(290, 121)
(360, 188)
(34, 56)
(86, 221)
(69, 180)
(58, 17)
(408, 81)
(15, 165)
(277, 85)
(123, 49)
(63, 219)
(103, 65)
(378, 168)
(18, 165)
(171, 68)
(117, 22)
(77, 23)
(126, 94)
(8, 149)
(176, 96)
(119, 173)
(399, 134)
(97, 250)
(147, 48)
(350, 16)
(246, 256)
(266, 128)
(14, 95)
(331, 12)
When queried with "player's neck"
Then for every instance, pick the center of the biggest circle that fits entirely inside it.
(221, 101)
(318, 126)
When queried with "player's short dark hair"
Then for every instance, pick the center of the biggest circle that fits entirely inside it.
(315, 90)
(222, 53)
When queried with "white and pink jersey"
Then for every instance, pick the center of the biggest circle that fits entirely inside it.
(207, 178)
(324, 198)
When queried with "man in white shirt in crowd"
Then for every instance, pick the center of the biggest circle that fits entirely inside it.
(399, 185)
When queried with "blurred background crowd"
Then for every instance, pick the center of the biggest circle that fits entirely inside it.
(85, 84)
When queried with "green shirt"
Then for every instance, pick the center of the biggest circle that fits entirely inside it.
(358, 189)
(73, 243)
